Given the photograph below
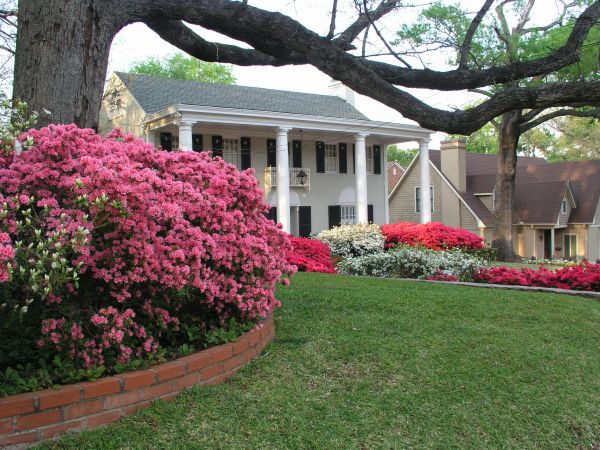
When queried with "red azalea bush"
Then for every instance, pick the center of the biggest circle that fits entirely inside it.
(433, 235)
(111, 250)
(582, 277)
(310, 255)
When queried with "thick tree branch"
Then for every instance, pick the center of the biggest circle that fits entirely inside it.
(466, 45)
(595, 113)
(281, 37)
(332, 24)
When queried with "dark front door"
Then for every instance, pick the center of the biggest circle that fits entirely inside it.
(547, 244)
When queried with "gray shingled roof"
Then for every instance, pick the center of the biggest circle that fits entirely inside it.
(154, 94)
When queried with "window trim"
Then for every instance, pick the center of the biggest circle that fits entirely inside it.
(432, 190)
(348, 207)
(337, 157)
(564, 207)
(239, 150)
(369, 152)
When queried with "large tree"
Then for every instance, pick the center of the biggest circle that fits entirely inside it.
(507, 37)
(63, 46)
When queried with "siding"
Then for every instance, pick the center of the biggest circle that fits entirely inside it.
(402, 203)
(487, 201)
(563, 218)
(467, 220)
(131, 117)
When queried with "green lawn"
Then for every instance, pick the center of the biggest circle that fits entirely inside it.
(369, 363)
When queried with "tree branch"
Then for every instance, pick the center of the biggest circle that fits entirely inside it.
(364, 19)
(332, 24)
(595, 113)
(466, 46)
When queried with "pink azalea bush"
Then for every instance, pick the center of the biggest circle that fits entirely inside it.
(581, 277)
(111, 250)
(433, 235)
(310, 255)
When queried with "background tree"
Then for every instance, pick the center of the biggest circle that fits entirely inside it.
(579, 139)
(184, 67)
(400, 155)
(506, 38)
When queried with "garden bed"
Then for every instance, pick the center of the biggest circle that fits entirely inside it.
(37, 416)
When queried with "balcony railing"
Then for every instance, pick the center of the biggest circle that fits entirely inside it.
(299, 177)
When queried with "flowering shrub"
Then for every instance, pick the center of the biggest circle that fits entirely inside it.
(550, 262)
(353, 240)
(433, 235)
(310, 255)
(581, 277)
(111, 250)
(413, 262)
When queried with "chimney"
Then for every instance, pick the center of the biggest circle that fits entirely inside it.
(338, 89)
(454, 162)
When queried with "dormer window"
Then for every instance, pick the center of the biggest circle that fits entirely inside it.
(563, 208)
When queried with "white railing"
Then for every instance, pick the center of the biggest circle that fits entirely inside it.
(299, 177)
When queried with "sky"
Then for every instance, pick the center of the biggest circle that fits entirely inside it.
(138, 42)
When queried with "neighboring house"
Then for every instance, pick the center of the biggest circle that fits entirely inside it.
(394, 173)
(318, 159)
(556, 209)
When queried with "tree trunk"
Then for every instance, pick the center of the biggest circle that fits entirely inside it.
(62, 57)
(505, 184)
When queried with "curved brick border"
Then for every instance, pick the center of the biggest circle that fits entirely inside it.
(37, 416)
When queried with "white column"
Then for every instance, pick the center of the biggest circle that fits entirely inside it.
(386, 203)
(552, 245)
(283, 179)
(185, 135)
(360, 158)
(150, 137)
(425, 181)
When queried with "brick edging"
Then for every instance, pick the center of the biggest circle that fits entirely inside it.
(33, 417)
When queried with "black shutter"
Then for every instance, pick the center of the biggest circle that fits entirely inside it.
(353, 158)
(197, 142)
(304, 221)
(296, 153)
(370, 213)
(335, 216)
(343, 158)
(271, 153)
(246, 158)
(377, 160)
(166, 141)
(217, 146)
(320, 157)
(272, 214)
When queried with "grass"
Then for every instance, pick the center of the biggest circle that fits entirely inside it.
(370, 363)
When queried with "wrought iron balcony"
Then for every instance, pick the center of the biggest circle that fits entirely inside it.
(299, 177)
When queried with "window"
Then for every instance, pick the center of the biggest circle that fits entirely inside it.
(231, 152)
(369, 155)
(564, 207)
(331, 158)
(418, 198)
(570, 246)
(347, 214)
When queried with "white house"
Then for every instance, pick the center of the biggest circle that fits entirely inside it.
(319, 160)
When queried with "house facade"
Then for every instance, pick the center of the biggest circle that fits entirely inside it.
(318, 159)
(556, 209)
(394, 173)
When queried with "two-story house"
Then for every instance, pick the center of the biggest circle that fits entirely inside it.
(319, 160)
(556, 206)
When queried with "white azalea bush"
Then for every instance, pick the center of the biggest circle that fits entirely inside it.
(413, 262)
(348, 241)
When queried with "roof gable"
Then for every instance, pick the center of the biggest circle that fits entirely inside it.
(155, 94)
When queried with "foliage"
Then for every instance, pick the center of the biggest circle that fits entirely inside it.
(579, 139)
(488, 254)
(433, 235)
(402, 156)
(550, 262)
(580, 277)
(113, 252)
(353, 240)
(310, 255)
(184, 67)
(414, 262)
